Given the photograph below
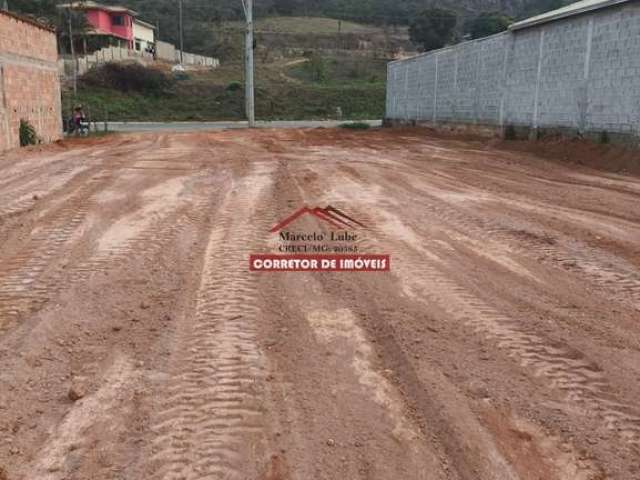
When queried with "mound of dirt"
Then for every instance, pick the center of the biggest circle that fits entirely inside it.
(612, 158)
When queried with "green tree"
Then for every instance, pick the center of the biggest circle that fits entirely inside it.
(37, 8)
(317, 67)
(536, 7)
(286, 7)
(487, 24)
(432, 28)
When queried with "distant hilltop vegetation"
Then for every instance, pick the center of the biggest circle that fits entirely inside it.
(207, 23)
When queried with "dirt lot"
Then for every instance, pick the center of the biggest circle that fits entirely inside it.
(135, 344)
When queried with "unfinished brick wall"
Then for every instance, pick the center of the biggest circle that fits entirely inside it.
(29, 83)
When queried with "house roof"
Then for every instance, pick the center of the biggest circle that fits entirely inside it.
(89, 5)
(571, 10)
(145, 24)
(29, 20)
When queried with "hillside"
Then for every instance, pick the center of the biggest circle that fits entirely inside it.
(206, 20)
(286, 89)
(309, 25)
(282, 37)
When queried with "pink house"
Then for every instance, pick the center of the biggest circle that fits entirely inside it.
(109, 25)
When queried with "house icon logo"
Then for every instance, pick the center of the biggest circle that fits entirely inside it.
(331, 215)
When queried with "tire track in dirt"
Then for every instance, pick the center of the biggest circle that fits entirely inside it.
(22, 197)
(620, 281)
(611, 275)
(26, 279)
(342, 367)
(157, 234)
(70, 435)
(209, 426)
(566, 370)
(29, 167)
(23, 283)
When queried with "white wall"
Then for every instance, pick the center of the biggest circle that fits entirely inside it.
(142, 32)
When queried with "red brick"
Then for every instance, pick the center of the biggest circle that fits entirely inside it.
(29, 82)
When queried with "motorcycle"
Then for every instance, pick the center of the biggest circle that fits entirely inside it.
(80, 128)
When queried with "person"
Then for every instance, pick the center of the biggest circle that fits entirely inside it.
(79, 119)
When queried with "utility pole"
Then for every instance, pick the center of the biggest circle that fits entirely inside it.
(181, 35)
(248, 69)
(72, 50)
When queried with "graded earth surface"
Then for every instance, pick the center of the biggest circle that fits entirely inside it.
(135, 344)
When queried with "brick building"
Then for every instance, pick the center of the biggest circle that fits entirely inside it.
(29, 83)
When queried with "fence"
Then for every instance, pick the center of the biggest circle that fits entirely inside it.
(165, 52)
(109, 54)
(191, 59)
(581, 74)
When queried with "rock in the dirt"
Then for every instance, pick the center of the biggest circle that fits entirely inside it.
(331, 442)
(76, 391)
(479, 390)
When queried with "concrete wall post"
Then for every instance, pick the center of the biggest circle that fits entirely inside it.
(435, 94)
(583, 94)
(536, 98)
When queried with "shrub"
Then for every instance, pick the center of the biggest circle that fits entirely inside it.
(234, 86)
(128, 77)
(604, 137)
(487, 24)
(28, 134)
(317, 69)
(181, 76)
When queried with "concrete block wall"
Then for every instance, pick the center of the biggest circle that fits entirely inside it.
(165, 51)
(490, 80)
(463, 83)
(104, 55)
(445, 101)
(580, 74)
(29, 83)
(191, 59)
(614, 71)
(169, 53)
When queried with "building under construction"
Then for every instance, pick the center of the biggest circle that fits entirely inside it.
(29, 83)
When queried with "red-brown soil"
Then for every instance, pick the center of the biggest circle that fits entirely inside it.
(135, 344)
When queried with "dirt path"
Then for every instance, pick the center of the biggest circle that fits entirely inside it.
(135, 343)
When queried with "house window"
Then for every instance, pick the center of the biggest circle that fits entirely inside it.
(117, 20)
(137, 45)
